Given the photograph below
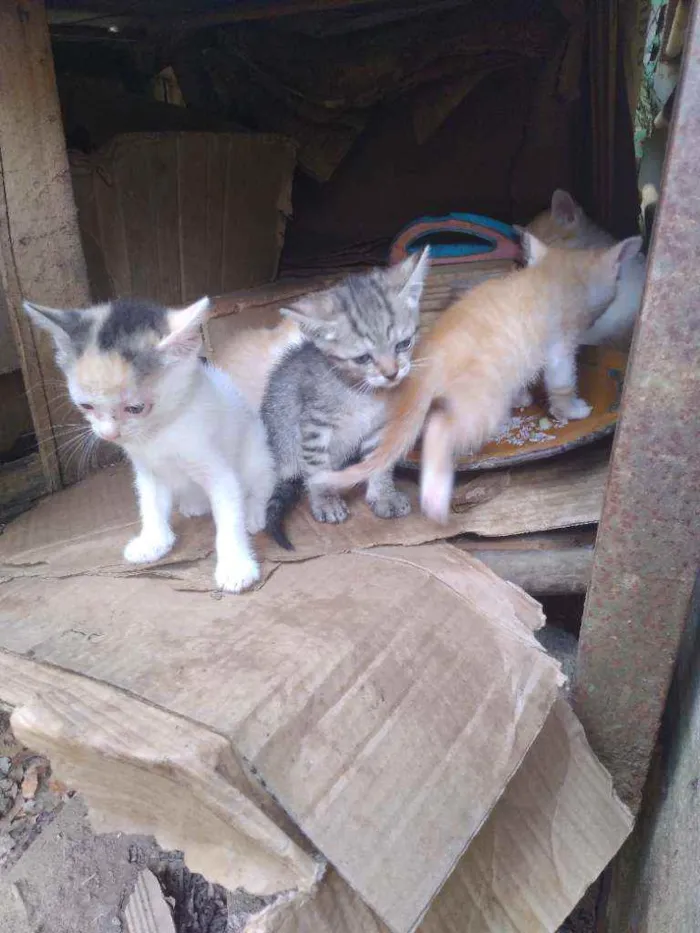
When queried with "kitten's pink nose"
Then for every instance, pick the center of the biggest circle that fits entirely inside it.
(110, 432)
(389, 368)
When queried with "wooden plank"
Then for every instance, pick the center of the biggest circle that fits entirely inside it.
(22, 482)
(147, 910)
(192, 152)
(41, 256)
(551, 563)
(166, 217)
(9, 357)
(133, 174)
(217, 159)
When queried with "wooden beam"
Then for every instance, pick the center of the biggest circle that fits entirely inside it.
(41, 255)
(552, 563)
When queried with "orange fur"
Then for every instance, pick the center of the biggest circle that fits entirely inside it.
(481, 352)
(251, 355)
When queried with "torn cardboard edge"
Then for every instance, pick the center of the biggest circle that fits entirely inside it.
(554, 829)
(387, 738)
(83, 529)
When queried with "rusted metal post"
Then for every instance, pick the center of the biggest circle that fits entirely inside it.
(648, 547)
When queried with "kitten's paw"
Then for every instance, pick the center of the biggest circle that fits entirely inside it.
(573, 409)
(329, 508)
(523, 398)
(146, 549)
(435, 501)
(236, 576)
(394, 506)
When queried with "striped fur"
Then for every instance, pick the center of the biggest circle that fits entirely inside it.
(482, 352)
(325, 400)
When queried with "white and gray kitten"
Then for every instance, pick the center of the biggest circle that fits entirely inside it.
(325, 401)
(133, 369)
(566, 224)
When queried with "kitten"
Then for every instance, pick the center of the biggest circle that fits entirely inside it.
(133, 369)
(325, 401)
(565, 224)
(253, 353)
(482, 351)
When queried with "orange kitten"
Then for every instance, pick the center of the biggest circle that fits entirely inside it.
(252, 354)
(483, 352)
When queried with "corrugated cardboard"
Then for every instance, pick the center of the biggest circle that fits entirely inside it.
(555, 826)
(84, 529)
(382, 700)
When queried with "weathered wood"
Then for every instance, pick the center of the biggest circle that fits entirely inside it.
(547, 564)
(40, 252)
(147, 910)
(175, 216)
(22, 482)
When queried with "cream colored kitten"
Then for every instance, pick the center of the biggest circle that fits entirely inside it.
(253, 353)
(565, 224)
(482, 352)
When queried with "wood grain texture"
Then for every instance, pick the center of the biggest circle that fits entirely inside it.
(40, 251)
(147, 910)
(546, 564)
(176, 216)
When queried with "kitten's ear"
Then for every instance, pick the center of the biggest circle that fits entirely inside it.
(625, 249)
(564, 209)
(309, 313)
(64, 326)
(185, 338)
(408, 277)
(534, 250)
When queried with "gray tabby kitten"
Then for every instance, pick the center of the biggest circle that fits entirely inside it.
(325, 401)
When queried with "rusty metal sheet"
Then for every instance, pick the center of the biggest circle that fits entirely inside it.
(648, 547)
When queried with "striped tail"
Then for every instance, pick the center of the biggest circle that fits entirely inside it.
(413, 402)
(286, 494)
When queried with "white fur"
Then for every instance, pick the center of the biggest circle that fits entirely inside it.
(210, 451)
(574, 229)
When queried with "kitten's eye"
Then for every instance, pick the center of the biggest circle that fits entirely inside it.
(86, 407)
(404, 345)
(134, 409)
(361, 360)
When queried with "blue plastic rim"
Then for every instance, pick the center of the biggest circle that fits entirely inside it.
(455, 250)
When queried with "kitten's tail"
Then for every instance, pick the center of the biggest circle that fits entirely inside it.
(412, 404)
(286, 494)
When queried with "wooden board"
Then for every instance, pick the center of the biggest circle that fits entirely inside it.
(174, 216)
(40, 252)
(534, 435)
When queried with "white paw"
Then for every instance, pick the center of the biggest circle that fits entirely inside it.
(435, 501)
(574, 409)
(146, 549)
(234, 576)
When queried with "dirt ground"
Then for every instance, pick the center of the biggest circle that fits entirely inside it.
(57, 876)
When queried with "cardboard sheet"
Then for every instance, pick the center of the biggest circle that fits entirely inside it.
(83, 529)
(387, 704)
(556, 826)
(369, 713)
